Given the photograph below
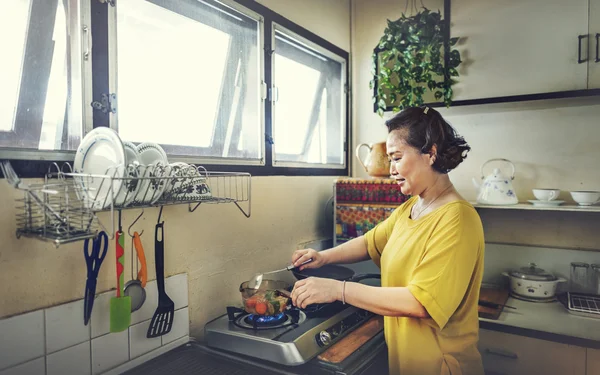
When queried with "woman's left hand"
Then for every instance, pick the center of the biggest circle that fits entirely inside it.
(316, 290)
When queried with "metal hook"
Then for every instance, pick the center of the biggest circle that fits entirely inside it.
(159, 214)
(135, 221)
(120, 228)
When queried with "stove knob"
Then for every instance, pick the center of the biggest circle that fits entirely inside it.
(324, 338)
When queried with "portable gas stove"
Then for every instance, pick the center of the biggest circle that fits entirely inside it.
(290, 338)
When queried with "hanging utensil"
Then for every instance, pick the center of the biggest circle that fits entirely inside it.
(135, 287)
(254, 283)
(120, 306)
(162, 321)
(93, 260)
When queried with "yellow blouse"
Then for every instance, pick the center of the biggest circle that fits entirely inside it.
(439, 257)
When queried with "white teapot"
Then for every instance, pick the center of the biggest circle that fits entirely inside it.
(496, 188)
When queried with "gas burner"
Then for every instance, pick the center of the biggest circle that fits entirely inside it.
(266, 321)
(239, 317)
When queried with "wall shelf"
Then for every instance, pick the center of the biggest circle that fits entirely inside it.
(531, 207)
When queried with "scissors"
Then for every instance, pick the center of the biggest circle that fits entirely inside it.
(93, 261)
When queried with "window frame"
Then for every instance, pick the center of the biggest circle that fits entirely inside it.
(100, 76)
(307, 44)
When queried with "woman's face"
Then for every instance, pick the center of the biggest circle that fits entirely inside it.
(408, 166)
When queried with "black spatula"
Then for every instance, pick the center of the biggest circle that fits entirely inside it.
(162, 321)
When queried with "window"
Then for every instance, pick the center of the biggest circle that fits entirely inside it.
(309, 106)
(189, 78)
(35, 110)
(228, 84)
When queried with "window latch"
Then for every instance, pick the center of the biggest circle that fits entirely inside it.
(273, 94)
(107, 103)
(269, 139)
(109, 2)
(263, 90)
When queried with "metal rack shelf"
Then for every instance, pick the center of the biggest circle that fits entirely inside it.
(64, 208)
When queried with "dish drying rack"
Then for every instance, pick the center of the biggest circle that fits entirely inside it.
(584, 305)
(64, 208)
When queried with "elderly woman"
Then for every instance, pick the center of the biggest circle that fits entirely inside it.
(430, 251)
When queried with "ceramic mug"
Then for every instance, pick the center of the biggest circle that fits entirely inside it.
(546, 194)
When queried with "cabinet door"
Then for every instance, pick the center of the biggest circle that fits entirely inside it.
(509, 354)
(594, 66)
(516, 47)
(593, 361)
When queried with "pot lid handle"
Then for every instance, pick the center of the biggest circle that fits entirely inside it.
(512, 175)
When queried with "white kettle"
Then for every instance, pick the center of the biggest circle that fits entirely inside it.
(496, 188)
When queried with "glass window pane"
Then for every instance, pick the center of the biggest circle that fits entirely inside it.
(309, 112)
(34, 79)
(188, 78)
(13, 29)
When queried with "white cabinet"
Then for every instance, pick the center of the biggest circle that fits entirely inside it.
(594, 46)
(508, 354)
(593, 361)
(517, 47)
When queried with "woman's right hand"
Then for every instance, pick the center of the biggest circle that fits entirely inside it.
(301, 256)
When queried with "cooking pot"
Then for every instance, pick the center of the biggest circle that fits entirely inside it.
(272, 297)
(533, 282)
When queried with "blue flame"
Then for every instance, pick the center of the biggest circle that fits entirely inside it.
(269, 319)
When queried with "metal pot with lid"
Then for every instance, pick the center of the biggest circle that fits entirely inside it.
(533, 282)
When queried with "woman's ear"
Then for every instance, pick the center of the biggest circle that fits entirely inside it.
(432, 154)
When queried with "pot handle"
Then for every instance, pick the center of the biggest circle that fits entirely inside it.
(364, 276)
(505, 274)
(512, 176)
(561, 280)
(358, 155)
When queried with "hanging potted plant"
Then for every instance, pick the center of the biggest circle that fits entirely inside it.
(414, 56)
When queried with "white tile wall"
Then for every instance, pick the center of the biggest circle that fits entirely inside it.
(64, 326)
(35, 367)
(73, 361)
(138, 342)
(176, 288)
(21, 338)
(147, 310)
(181, 326)
(109, 351)
(100, 320)
(72, 348)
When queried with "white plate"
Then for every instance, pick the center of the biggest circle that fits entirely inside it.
(100, 153)
(154, 163)
(546, 203)
(130, 186)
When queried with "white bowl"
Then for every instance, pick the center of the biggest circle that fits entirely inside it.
(585, 198)
(546, 194)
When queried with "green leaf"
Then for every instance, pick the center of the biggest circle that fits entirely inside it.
(381, 103)
(380, 112)
(453, 41)
(438, 94)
